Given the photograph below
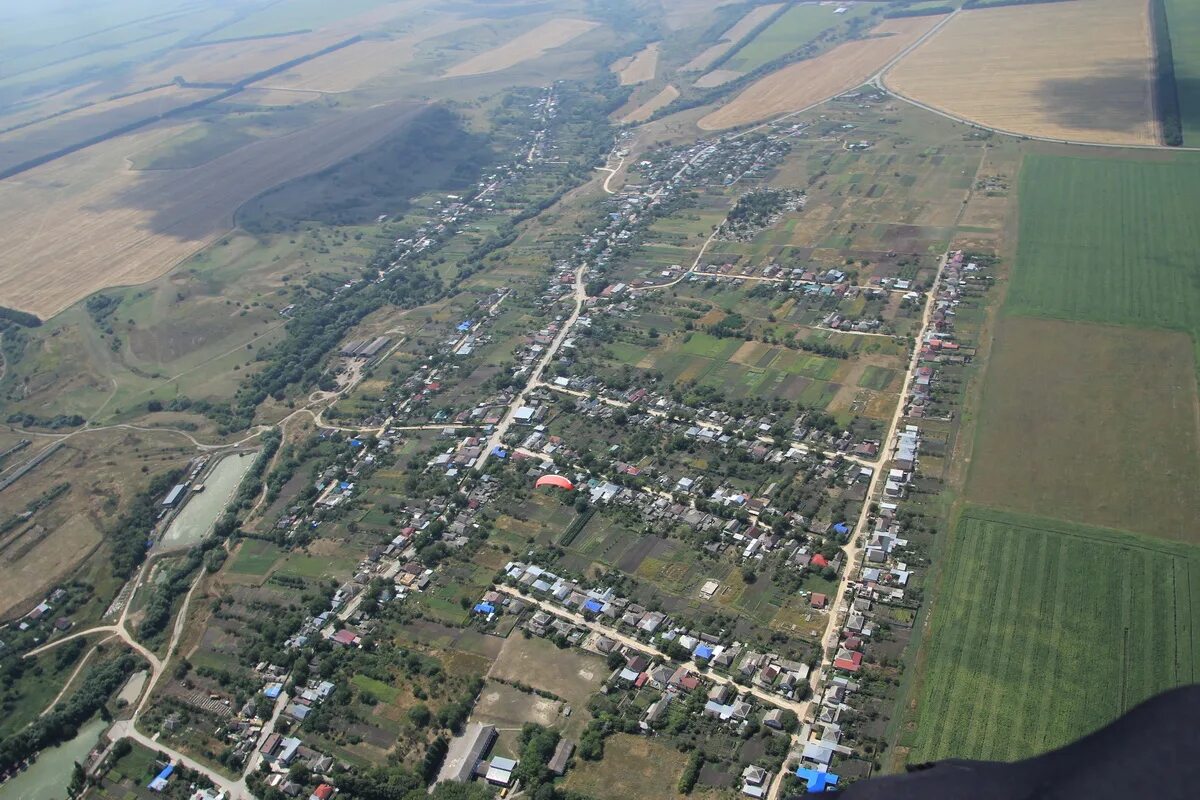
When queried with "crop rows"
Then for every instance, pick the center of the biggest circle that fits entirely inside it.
(1041, 635)
(1110, 241)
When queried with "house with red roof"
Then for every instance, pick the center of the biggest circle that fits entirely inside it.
(848, 661)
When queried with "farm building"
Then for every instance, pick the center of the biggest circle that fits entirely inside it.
(562, 754)
(499, 772)
(466, 752)
(173, 497)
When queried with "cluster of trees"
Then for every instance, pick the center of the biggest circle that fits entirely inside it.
(22, 318)
(53, 423)
(101, 308)
(755, 209)
(129, 534)
(537, 748)
(315, 329)
(62, 723)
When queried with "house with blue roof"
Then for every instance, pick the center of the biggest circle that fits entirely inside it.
(485, 608)
(594, 606)
(703, 651)
(160, 782)
(816, 781)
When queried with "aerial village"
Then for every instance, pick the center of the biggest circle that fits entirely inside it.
(668, 670)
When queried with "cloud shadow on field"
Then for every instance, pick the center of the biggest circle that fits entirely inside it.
(1101, 101)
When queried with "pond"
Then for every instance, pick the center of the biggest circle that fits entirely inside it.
(48, 777)
(203, 509)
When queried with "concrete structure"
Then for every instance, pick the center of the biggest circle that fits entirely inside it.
(466, 752)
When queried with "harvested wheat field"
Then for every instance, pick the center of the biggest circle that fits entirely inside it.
(526, 47)
(739, 31)
(647, 109)
(87, 221)
(1078, 71)
(640, 68)
(360, 63)
(806, 82)
(232, 61)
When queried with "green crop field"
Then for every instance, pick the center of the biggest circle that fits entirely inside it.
(1043, 632)
(1109, 240)
(792, 30)
(1183, 17)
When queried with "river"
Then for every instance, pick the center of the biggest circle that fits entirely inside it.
(203, 509)
(48, 777)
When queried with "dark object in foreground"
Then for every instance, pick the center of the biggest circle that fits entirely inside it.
(1153, 752)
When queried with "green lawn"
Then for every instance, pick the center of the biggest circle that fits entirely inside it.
(255, 558)
(1109, 240)
(1183, 16)
(1044, 631)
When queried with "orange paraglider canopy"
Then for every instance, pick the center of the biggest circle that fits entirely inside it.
(554, 480)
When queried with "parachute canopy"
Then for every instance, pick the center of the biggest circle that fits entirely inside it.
(554, 480)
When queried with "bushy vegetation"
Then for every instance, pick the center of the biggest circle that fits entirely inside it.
(130, 533)
(63, 722)
(22, 318)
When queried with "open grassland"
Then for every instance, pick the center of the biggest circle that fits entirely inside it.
(1091, 423)
(1043, 632)
(633, 766)
(1183, 16)
(641, 67)
(811, 81)
(754, 17)
(1075, 71)
(796, 27)
(85, 221)
(571, 674)
(102, 471)
(526, 47)
(647, 109)
(1109, 240)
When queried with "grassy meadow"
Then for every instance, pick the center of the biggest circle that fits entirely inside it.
(1044, 631)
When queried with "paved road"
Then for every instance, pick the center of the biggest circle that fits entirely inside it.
(535, 377)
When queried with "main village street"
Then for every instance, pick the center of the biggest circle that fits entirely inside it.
(801, 709)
